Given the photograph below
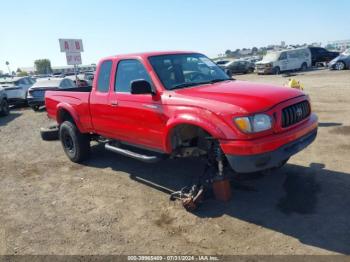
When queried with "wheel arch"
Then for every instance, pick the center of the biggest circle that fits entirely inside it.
(66, 113)
(208, 127)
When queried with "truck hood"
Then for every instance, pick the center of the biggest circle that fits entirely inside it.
(241, 96)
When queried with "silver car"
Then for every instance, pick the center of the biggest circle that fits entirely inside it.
(16, 88)
(341, 62)
(4, 106)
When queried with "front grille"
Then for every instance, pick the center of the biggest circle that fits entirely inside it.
(262, 66)
(295, 113)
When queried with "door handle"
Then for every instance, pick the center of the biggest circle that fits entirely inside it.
(114, 103)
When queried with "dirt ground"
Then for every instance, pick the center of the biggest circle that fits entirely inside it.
(49, 205)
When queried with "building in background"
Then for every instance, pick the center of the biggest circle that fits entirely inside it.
(340, 45)
(62, 69)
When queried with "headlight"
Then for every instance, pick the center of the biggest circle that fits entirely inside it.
(254, 124)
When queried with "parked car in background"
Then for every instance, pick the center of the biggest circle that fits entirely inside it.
(223, 62)
(16, 88)
(237, 67)
(81, 81)
(321, 55)
(287, 60)
(4, 105)
(36, 94)
(341, 62)
(88, 77)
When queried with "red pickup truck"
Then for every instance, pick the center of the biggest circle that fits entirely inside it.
(181, 104)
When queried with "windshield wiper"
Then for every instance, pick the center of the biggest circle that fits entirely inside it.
(199, 83)
(219, 80)
(182, 85)
(187, 85)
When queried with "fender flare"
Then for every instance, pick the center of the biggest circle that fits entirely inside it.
(67, 107)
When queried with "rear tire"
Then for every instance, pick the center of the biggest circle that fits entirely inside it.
(303, 67)
(276, 70)
(4, 108)
(339, 66)
(36, 108)
(49, 134)
(229, 73)
(75, 144)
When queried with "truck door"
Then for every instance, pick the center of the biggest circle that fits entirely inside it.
(137, 119)
(99, 106)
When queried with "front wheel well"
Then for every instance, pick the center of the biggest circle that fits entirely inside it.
(188, 139)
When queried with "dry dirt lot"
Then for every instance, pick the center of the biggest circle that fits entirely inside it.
(49, 205)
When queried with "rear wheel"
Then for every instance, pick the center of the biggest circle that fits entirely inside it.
(35, 108)
(339, 66)
(49, 134)
(303, 67)
(75, 144)
(277, 70)
(4, 108)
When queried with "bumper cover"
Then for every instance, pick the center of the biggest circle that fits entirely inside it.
(268, 160)
(35, 101)
(264, 70)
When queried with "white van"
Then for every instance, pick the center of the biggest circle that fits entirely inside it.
(286, 60)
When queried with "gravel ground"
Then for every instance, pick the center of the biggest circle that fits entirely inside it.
(52, 206)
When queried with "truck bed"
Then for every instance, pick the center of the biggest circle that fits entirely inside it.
(73, 100)
(77, 89)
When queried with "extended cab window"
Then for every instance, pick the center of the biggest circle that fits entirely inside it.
(128, 71)
(104, 76)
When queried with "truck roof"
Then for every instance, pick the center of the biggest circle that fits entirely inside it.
(147, 54)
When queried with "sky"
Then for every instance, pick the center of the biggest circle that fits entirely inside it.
(31, 29)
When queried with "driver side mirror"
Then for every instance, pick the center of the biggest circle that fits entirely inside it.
(141, 87)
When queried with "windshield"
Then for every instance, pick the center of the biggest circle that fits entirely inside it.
(271, 57)
(184, 70)
(222, 62)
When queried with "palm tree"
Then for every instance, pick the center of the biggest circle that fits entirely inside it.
(8, 66)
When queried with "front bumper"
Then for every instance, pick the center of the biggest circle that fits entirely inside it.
(267, 152)
(264, 70)
(259, 162)
(35, 101)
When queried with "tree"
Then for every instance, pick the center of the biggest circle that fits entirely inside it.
(43, 66)
(22, 73)
(228, 53)
(254, 50)
(8, 66)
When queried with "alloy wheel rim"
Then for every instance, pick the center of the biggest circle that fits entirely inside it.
(339, 66)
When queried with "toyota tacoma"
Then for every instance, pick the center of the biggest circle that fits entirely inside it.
(181, 104)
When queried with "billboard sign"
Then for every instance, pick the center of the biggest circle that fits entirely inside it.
(73, 58)
(71, 45)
